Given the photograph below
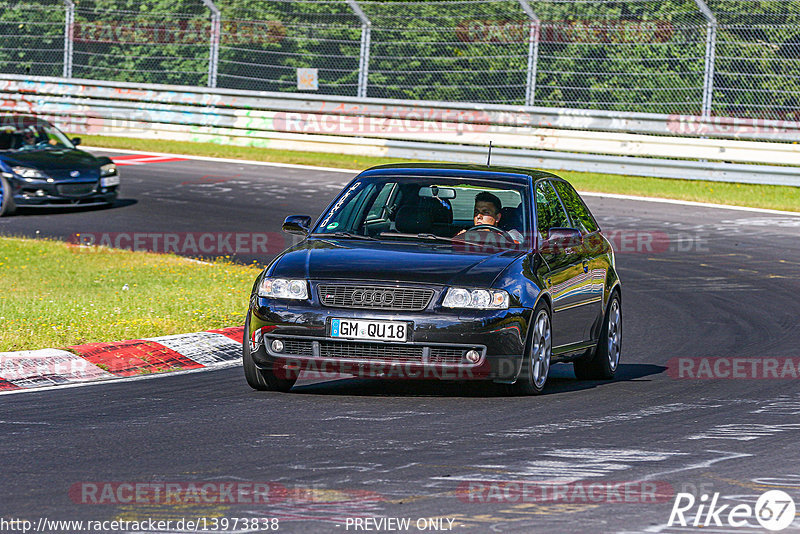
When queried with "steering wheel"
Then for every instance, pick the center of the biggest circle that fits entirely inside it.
(491, 228)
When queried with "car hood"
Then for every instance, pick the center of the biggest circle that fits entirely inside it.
(411, 262)
(57, 162)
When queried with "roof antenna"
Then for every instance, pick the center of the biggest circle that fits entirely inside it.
(489, 159)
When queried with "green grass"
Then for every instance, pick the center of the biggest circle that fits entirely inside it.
(53, 294)
(760, 196)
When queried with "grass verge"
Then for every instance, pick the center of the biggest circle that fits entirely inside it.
(758, 196)
(53, 294)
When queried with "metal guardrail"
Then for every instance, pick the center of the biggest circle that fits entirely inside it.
(581, 140)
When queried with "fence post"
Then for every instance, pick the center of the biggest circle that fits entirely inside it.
(366, 38)
(533, 52)
(711, 50)
(213, 53)
(69, 22)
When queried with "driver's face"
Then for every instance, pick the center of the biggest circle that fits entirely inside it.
(485, 213)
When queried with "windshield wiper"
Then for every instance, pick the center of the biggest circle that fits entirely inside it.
(435, 237)
(351, 235)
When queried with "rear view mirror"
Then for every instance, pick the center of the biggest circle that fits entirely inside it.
(297, 224)
(561, 239)
(76, 141)
(444, 193)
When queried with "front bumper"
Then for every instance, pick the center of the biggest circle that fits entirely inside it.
(436, 349)
(42, 194)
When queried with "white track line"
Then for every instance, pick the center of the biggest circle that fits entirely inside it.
(354, 171)
(689, 203)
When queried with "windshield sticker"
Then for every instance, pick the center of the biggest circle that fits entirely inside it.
(331, 226)
(339, 203)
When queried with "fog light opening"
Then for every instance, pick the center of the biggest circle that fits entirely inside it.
(473, 356)
(277, 345)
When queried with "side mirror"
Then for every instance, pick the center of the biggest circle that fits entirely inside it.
(297, 224)
(76, 141)
(561, 239)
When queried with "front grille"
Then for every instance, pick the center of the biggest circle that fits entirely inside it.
(370, 351)
(446, 355)
(374, 297)
(298, 347)
(77, 190)
(384, 352)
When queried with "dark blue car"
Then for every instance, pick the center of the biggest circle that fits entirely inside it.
(40, 167)
(451, 272)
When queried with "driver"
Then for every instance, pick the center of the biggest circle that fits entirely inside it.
(488, 212)
(28, 137)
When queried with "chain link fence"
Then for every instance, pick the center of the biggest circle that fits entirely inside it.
(736, 58)
(757, 59)
(141, 41)
(33, 38)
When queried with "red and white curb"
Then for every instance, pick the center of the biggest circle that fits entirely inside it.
(144, 159)
(82, 364)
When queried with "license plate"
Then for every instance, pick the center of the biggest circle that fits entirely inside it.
(373, 330)
(108, 181)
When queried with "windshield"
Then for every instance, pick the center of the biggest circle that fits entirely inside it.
(426, 208)
(33, 136)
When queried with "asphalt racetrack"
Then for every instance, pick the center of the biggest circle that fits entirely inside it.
(705, 292)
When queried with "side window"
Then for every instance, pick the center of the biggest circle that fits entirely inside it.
(377, 210)
(578, 212)
(549, 212)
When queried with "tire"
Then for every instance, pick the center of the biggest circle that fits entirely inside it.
(7, 205)
(261, 379)
(605, 361)
(538, 353)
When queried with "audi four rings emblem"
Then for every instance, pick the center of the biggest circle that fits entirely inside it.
(373, 296)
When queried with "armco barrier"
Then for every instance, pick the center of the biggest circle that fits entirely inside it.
(596, 141)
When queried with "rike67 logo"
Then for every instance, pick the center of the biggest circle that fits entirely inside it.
(774, 511)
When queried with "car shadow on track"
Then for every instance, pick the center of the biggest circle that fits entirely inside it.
(562, 380)
(23, 211)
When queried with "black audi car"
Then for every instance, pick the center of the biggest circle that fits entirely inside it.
(40, 167)
(451, 272)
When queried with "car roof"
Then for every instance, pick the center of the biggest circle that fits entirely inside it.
(519, 175)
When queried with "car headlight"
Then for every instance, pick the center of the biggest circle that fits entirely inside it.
(281, 288)
(477, 299)
(109, 169)
(29, 173)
